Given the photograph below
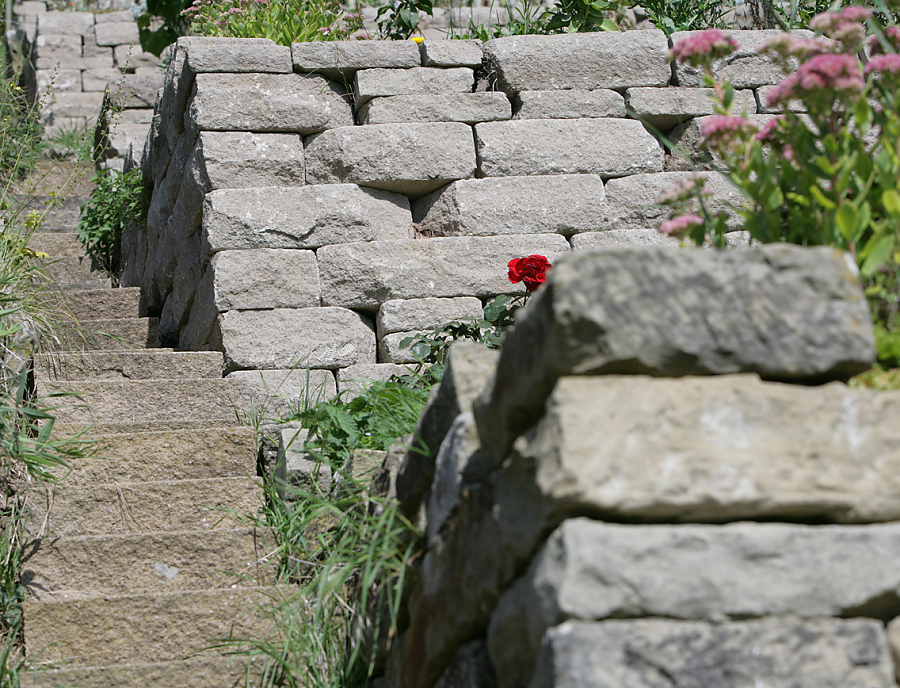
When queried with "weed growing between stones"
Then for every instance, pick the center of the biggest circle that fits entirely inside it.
(116, 201)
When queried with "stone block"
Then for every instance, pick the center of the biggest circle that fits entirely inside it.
(297, 469)
(103, 61)
(354, 379)
(463, 53)
(664, 108)
(198, 330)
(265, 278)
(459, 448)
(89, 47)
(425, 314)
(117, 33)
(687, 143)
(392, 350)
(784, 312)
(615, 238)
(442, 107)
(267, 103)
(268, 391)
(74, 23)
(132, 58)
(341, 59)
(372, 83)
(571, 104)
(606, 59)
(541, 204)
(58, 80)
(302, 217)
(120, 16)
(236, 160)
(74, 104)
(365, 275)
(239, 55)
(61, 47)
(814, 653)
(412, 159)
(607, 147)
(137, 91)
(99, 79)
(29, 8)
(762, 94)
(303, 337)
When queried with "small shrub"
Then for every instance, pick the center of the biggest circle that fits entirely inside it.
(116, 201)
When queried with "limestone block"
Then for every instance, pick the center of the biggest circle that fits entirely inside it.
(341, 59)
(762, 94)
(412, 159)
(265, 278)
(303, 337)
(233, 160)
(463, 53)
(608, 147)
(99, 79)
(61, 47)
(782, 311)
(365, 275)
(137, 91)
(132, 57)
(104, 61)
(687, 142)
(240, 55)
(29, 8)
(299, 470)
(425, 314)
(488, 106)
(277, 390)
(605, 59)
(267, 103)
(124, 134)
(590, 570)
(541, 204)
(371, 83)
(663, 108)
(391, 349)
(615, 238)
(133, 153)
(74, 104)
(117, 33)
(353, 379)
(58, 80)
(198, 330)
(120, 16)
(814, 653)
(459, 447)
(302, 217)
(74, 23)
(571, 104)
(89, 47)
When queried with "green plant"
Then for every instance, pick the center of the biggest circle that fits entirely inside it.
(685, 15)
(72, 139)
(582, 16)
(173, 25)
(117, 200)
(20, 133)
(398, 19)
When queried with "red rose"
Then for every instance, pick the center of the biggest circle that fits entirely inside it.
(532, 270)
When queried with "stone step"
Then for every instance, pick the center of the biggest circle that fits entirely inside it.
(91, 304)
(144, 364)
(68, 568)
(70, 270)
(144, 628)
(109, 334)
(142, 401)
(94, 285)
(57, 244)
(145, 507)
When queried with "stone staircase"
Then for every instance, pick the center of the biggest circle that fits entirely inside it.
(138, 562)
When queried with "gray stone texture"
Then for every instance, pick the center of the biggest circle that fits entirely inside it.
(72, 104)
(353, 379)
(59, 47)
(268, 391)
(342, 58)
(267, 103)
(372, 83)
(75, 23)
(412, 159)
(541, 204)
(470, 108)
(97, 79)
(570, 104)
(815, 653)
(663, 108)
(688, 150)
(236, 160)
(784, 312)
(392, 350)
(462, 53)
(136, 91)
(107, 17)
(762, 93)
(58, 80)
(302, 337)
(133, 57)
(265, 278)
(616, 238)
(241, 55)
(82, 63)
(116, 33)
(365, 275)
(302, 217)
(460, 446)
(607, 147)
(605, 59)
(423, 314)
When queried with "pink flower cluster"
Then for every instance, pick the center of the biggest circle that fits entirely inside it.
(681, 226)
(888, 63)
(826, 75)
(721, 131)
(703, 47)
(892, 37)
(847, 27)
(683, 191)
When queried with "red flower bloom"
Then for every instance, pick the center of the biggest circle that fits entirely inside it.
(531, 270)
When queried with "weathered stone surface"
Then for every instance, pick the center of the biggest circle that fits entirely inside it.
(459, 447)
(605, 146)
(470, 108)
(197, 331)
(615, 238)
(133, 57)
(97, 79)
(303, 337)
(29, 8)
(893, 632)
(242, 55)
(265, 278)
(464, 53)
(268, 392)
(58, 80)
(268, 103)
(61, 46)
(784, 312)
(75, 23)
(541, 204)
(371, 83)
(235, 160)
(470, 666)
(297, 469)
(127, 365)
(365, 275)
(73, 104)
(815, 653)
(762, 94)
(116, 33)
(580, 61)
(353, 379)
(571, 104)
(592, 571)
(304, 217)
(391, 349)
(133, 91)
(688, 150)
(663, 108)
(404, 315)
(119, 16)
(412, 159)
(342, 58)
(98, 62)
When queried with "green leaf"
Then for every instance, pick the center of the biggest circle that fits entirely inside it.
(891, 201)
(877, 253)
(820, 198)
(863, 115)
(847, 218)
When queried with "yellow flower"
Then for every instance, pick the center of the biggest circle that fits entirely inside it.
(417, 39)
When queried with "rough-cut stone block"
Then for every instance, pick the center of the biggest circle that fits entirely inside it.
(303, 217)
(99, 79)
(342, 58)
(76, 23)
(688, 150)
(132, 57)
(303, 337)
(73, 104)
(135, 91)
(459, 448)
(240, 55)
(488, 106)
(57, 46)
(412, 159)
(392, 350)
(552, 204)
(762, 94)
(116, 33)
(571, 104)
(663, 108)
(58, 80)
(615, 238)
(814, 653)
(782, 311)
(265, 278)
(89, 47)
(608, 147)
(425, 314)
(198, 330)
(277, 390)
(235, 160)
(29, 8)
(580, 61)
(120, 16)
(365, 275)
(590, 570)
(297, 469)
(465, 53)
(268, 102)
(354, 379)
(372, 83)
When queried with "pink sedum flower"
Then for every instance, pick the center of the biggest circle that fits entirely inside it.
(767, 133)
(847, 27)
(721, 131)
(681, 226)
(891, 35)
(821, 79)
(683, 190)
(703, 47)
